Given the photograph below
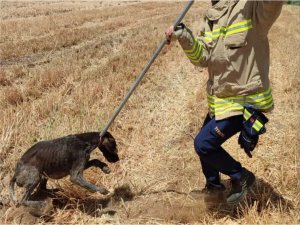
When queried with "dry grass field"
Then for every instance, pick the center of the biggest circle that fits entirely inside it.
(65, 66)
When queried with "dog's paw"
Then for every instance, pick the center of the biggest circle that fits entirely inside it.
(106, 169)
(104, 191)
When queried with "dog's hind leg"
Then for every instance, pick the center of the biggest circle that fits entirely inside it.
(43, 184)
(97, 163)
(30, 203)
(43, 187)
(29, 178)
(29, 189)
(12, 189)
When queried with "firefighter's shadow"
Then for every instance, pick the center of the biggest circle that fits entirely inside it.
(262, 196)
(266, 195)
(95, 207)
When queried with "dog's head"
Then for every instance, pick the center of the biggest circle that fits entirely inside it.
(108, 147)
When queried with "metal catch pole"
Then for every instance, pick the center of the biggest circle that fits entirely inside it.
(144, 71)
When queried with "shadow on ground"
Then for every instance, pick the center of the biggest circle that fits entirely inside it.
(263, 196)
(95, 207)
(178, 207)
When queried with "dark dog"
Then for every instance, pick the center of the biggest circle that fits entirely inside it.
(61, 157)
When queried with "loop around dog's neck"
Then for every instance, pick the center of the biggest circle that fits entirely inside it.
(101, 139)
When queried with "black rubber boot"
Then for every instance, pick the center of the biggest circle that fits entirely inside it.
(240, 187)
(211, 188)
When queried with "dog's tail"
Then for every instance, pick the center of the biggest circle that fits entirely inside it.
(12, 189)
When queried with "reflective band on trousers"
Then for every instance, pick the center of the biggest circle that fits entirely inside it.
(260, 101)
(232, 29)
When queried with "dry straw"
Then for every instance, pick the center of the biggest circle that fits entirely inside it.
(68, 70)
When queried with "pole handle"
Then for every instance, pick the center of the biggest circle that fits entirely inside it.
(142, 74)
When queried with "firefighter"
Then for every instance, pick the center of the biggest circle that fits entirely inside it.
(233, 45)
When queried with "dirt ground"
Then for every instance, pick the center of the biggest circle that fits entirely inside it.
(64, 68)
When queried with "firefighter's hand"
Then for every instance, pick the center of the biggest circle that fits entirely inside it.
(169, 34)
(172, 33)
(247, 142)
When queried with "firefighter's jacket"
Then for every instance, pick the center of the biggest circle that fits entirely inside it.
(233, 44)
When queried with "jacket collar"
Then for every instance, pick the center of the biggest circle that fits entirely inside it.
(219, 9)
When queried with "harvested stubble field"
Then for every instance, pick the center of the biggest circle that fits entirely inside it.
(65, 66)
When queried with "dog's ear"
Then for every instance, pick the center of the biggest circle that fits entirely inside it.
(108, 141)
(109, 148)
(107, 137)
(104, 141)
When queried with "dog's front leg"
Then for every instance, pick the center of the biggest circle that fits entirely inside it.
(79, 179)
(76, 176)
(97, 163)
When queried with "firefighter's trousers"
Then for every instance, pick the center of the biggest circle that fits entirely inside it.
(214, 159)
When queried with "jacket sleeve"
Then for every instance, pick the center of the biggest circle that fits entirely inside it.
(266, 13)
(194, 48)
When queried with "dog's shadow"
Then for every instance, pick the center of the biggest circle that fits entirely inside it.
(262, 196)
(95, 207)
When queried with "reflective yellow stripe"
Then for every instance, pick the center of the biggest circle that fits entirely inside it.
(240, 23)
(225, 31)
(238, 30)
(247, 114)
(256, 128)
(195, 53)
(196, 61)
(260, 101)
(208, 36)
(257, 125)
(262, 96)
(208, 39)
(231, 109)
(193, 47)
(267, 106)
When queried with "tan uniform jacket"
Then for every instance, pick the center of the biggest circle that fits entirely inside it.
(234, 46)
